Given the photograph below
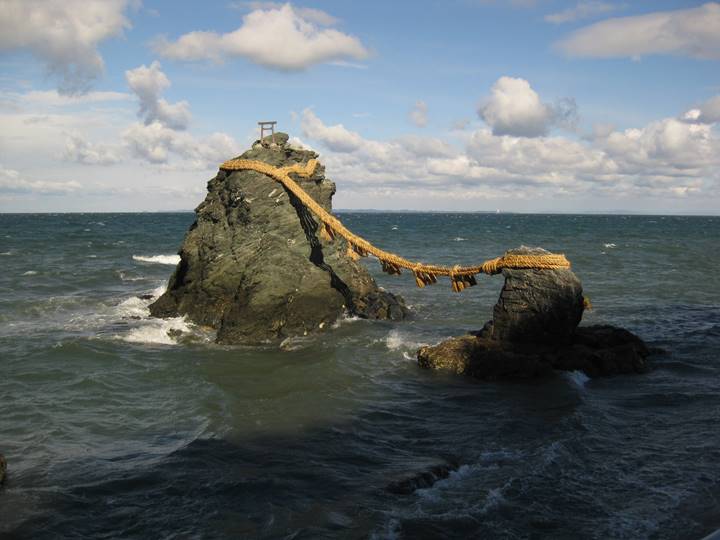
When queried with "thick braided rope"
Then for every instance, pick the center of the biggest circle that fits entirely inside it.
(425, 274)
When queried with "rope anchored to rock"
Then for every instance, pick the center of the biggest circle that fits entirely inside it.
(425, 274)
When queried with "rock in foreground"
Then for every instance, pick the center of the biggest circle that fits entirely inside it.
(253, 267)
(535, 331)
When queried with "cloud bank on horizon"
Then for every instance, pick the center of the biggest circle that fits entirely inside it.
(112, 105)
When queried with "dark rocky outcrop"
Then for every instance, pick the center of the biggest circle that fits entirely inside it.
(253, 266)
(535, 331)
(425, 474)
(3, 469)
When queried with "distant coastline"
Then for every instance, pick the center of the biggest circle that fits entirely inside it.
(407, 211)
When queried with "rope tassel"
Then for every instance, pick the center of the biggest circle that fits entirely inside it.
(352, 253)
(390, 268)
(326, 233)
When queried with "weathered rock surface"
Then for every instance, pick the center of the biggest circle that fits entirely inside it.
(3, 469)
(253, 268)
(535, 331)
(537, 306)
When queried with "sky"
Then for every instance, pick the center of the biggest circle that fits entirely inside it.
(446, 105)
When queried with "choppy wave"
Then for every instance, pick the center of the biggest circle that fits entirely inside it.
(159, 331)
(578, 378)
(30, 273)
(150, 330)
(158, 259)
(396, 341)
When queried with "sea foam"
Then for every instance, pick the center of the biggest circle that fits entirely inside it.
(158, 259)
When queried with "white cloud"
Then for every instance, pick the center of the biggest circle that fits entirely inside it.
(418, 114)
(281, 38)
(11, 181)
(64, 35)
(81, 151)
(514, 108)
(707, 113)
(52, 98)
(693, 32)
(148, 83)
(582, 10)
(668, 158)
(337, 138)
(317, 16)
(155, 143)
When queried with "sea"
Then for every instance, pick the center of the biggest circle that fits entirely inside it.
(118, 425)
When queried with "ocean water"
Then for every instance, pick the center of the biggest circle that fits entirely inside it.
(117, 425)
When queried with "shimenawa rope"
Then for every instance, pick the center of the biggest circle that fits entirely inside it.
(425, 274)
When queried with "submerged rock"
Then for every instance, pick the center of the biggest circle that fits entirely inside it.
(3, 469)
(426, 473)
(253, 267)
(535, 331)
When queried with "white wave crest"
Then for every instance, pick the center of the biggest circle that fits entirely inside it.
(6, 253)
(158, 259)
(30, 273)
(138, 307)
(578, 378)
(395, 340)
(345, 319)
(158, 331)
(609, 246)
(459, 239)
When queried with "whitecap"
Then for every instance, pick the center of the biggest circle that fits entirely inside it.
(609, 246)
(138, 307)
(158, 331)
(295, 343)
(578, 378)
(123, 276)
(394, 341)
(459, 239)
(30, 273)
(6, 253)
(345, 319)
(158, 259)
(394, 227)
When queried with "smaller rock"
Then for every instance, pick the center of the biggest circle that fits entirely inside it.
(535, 330)
(3, 468)
(537, 306)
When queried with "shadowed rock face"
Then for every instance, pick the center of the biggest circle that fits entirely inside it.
(535, 331)
(537, 306)
(253, 268)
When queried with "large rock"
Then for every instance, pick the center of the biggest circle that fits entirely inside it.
(253, 268)
(535, 331)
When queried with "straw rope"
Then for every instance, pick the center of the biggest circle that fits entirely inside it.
(425, 274)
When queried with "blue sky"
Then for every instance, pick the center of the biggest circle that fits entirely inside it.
(545, 105)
